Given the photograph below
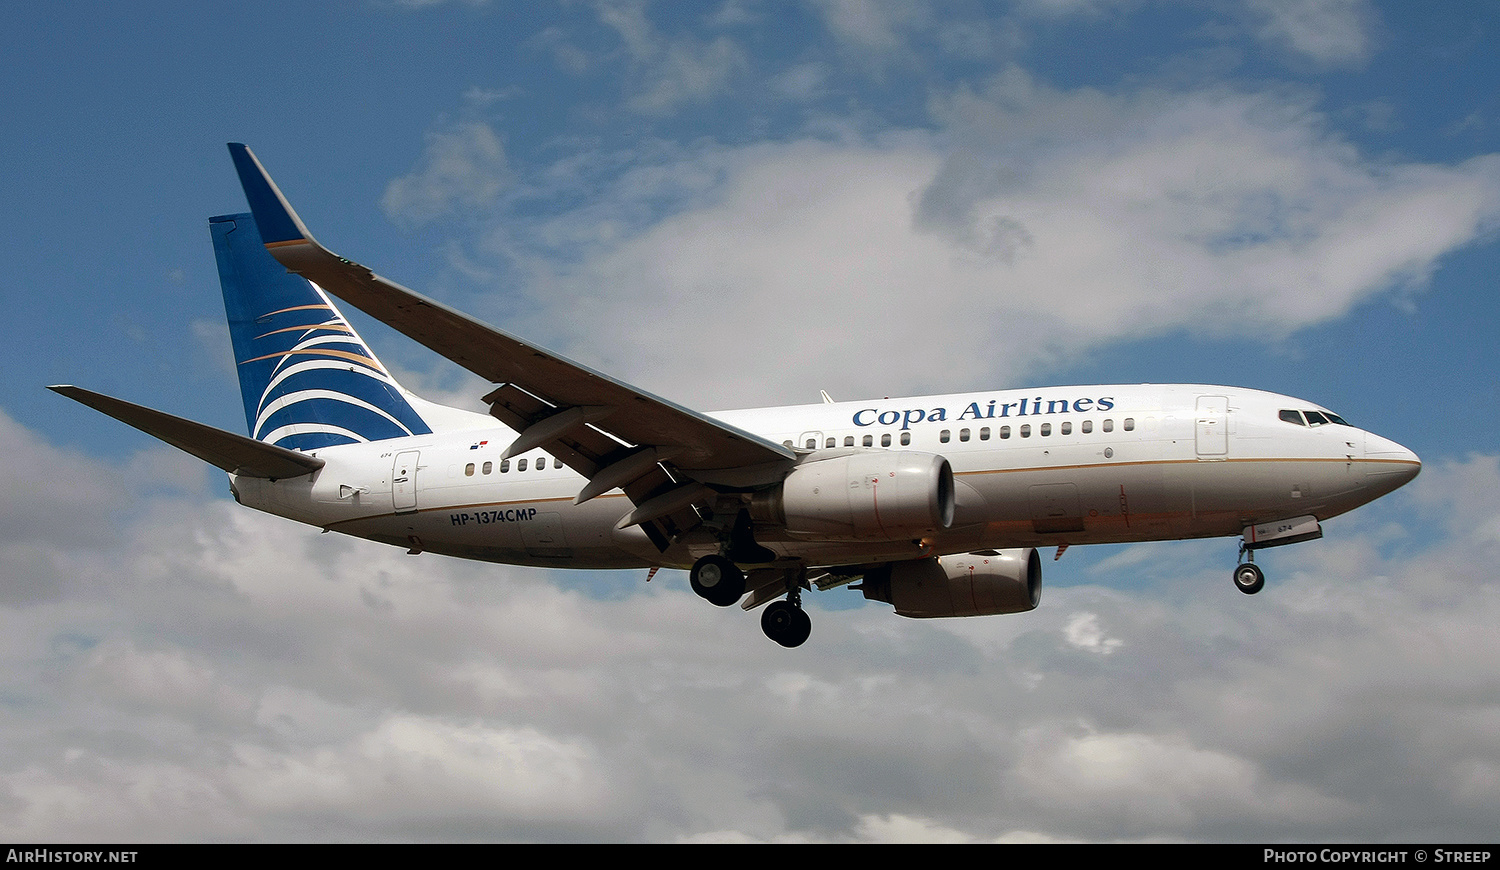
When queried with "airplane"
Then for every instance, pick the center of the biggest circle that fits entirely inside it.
(936, 505)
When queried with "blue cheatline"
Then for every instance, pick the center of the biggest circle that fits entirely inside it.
(307, 378)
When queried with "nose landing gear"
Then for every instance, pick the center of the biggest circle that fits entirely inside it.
(1248, 578)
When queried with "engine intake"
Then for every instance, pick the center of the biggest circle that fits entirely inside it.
(966, 585)
(875, 496)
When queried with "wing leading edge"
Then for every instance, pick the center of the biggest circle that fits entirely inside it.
(577, 414)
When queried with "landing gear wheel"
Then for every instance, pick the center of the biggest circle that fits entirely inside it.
(786, 623)
(803, 629)
(1248, 578)
(718, 580)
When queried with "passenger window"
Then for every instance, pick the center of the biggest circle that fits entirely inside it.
(848, 440)
(1109, 426)
(963, 434)
(869, 441)
(1087, 427)
(488, 467)
(1026, 431)
(905, 438)
(1129, 424)
(811, 443)
(504, 466)
(1067, 429)
(541, 463)
(944, 435)
(520, 465)
(469, 470)
(1046, 428)
(984, 433)
(831, 442)
(885, 440)
(1004, 432)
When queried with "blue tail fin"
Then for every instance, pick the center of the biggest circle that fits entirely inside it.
(307, 378)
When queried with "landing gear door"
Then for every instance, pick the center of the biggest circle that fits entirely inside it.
(404, 482)
(1213, 427)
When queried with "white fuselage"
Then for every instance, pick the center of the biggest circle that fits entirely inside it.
(1050, 466)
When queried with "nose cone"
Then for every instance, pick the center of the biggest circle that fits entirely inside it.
(1388, 465)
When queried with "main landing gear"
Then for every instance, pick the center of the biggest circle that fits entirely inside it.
(785, 621)
(1248, 578)
(718, 580)
(721, 582)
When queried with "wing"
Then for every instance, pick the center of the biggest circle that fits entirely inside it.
(663, 455)
(235, 454)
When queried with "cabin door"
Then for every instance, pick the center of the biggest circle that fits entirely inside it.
(1212, 424)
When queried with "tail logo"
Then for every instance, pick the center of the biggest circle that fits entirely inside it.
(323, 386)
(306, 378)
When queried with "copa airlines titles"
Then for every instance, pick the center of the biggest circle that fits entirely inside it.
(993, 410)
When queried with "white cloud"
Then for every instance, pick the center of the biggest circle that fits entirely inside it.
(671, 71)
(803, 82)
(55, 494)
(1084, 632)
(411, 769)
(1151, 783)
(463, 166)
(871, 27)
(1333, 32)
(897, 828)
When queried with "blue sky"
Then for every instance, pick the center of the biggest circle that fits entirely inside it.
(735, 204)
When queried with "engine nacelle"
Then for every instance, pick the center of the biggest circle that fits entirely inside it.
(875, 496)
(965, 585)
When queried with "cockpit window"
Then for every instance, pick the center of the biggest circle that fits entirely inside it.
(1313, 418)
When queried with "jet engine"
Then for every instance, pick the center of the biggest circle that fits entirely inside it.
(971, 584)
(875, 496)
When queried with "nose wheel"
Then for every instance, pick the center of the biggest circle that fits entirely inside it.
(1248, 578)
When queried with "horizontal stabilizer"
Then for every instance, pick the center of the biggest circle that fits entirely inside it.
(235, 454)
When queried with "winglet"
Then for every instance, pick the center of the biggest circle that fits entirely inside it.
(279, 225)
